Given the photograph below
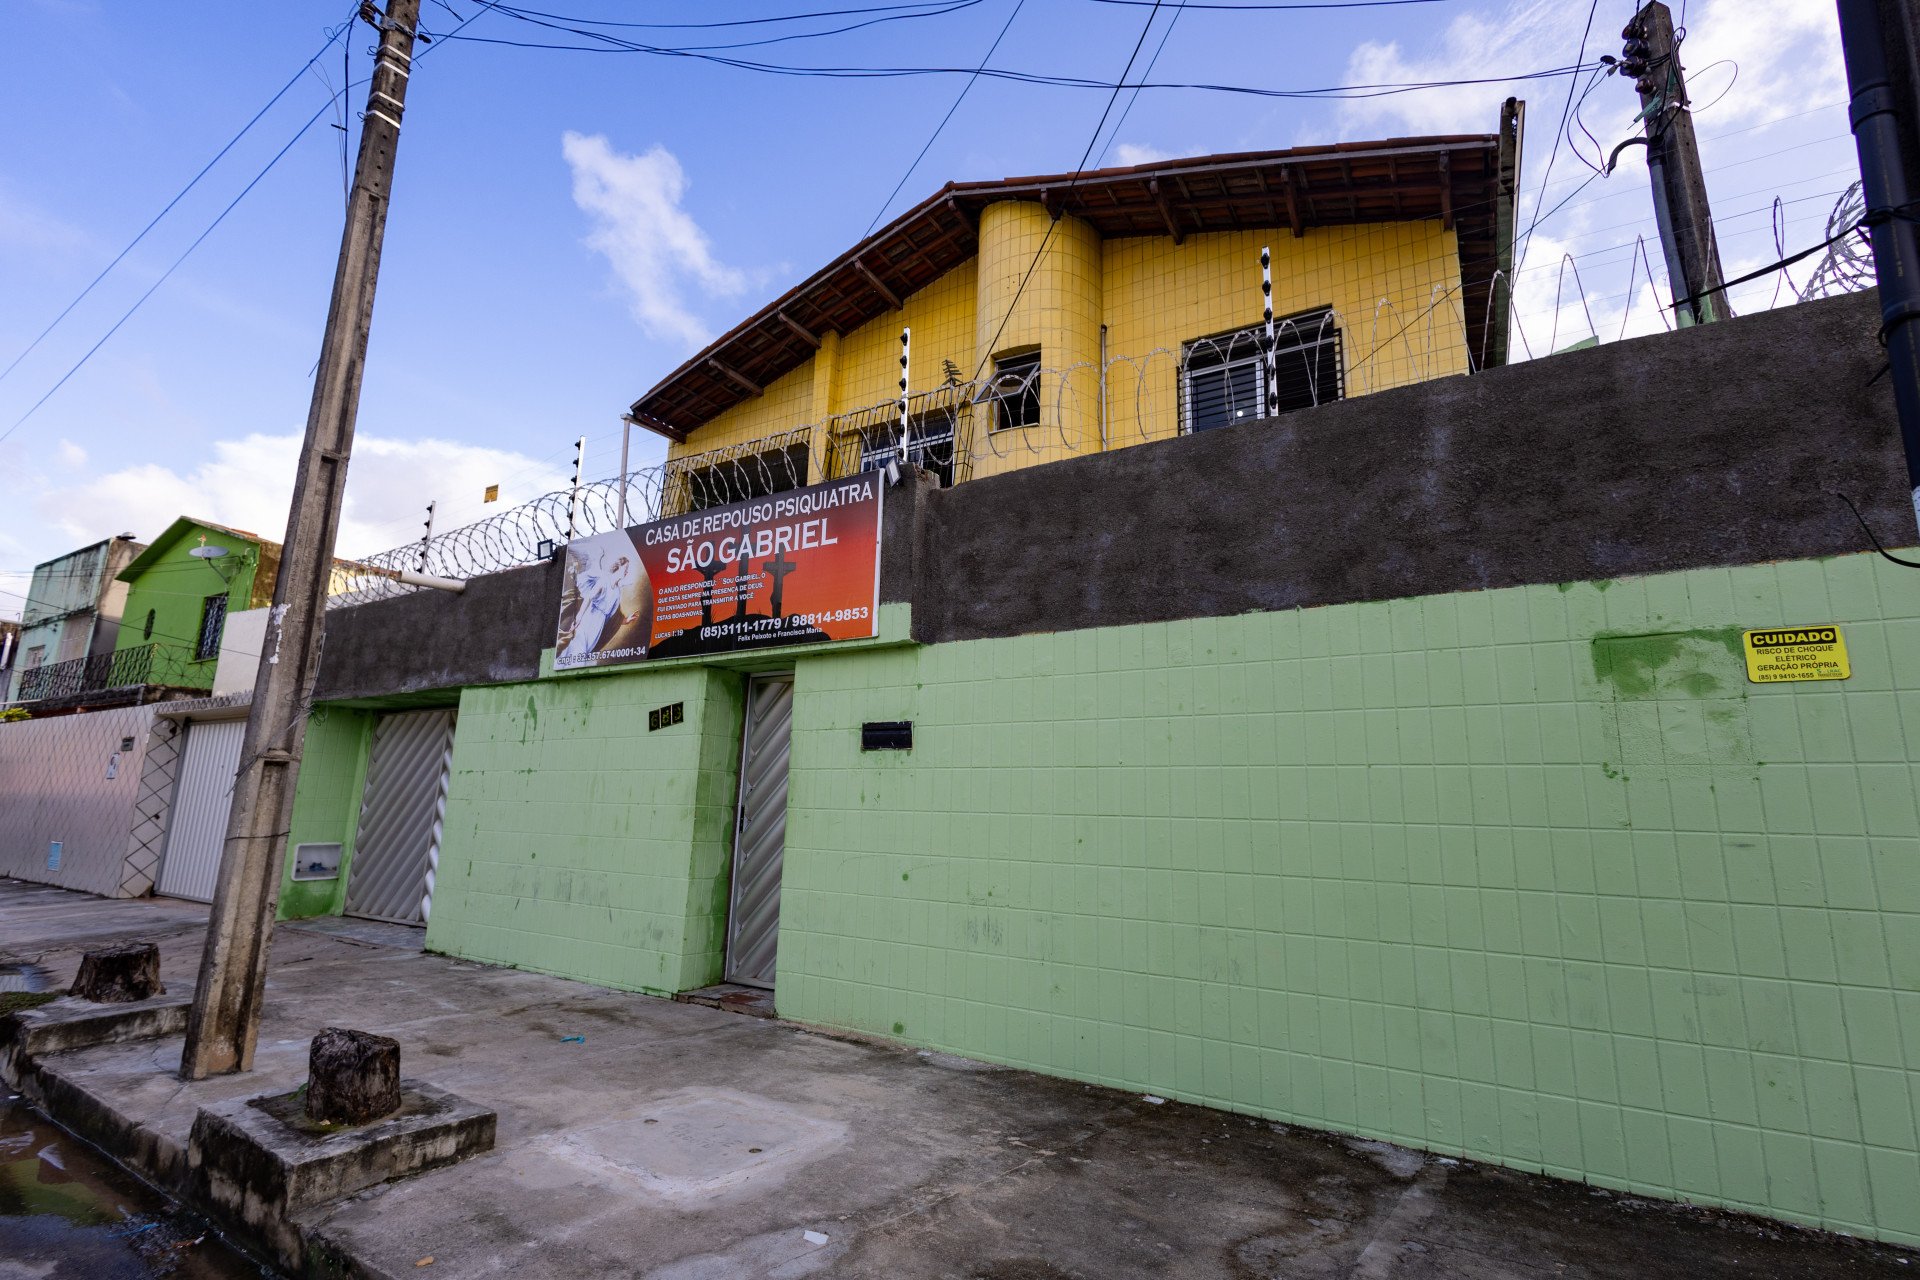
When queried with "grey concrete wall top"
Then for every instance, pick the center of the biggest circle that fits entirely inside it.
(1719, 445)
(491, 633)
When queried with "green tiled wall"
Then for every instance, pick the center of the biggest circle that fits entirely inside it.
(579, 843)
(326, 806)
(1530, 875)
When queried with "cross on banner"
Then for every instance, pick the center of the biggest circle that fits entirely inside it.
(779, 567)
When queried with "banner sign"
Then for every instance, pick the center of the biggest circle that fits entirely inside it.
(799, 567)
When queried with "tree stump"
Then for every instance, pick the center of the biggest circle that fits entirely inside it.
(119, 975)
(352, 1077)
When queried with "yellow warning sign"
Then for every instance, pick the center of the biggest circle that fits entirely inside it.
(1796, 653)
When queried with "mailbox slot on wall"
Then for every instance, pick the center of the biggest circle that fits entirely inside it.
(886, 735)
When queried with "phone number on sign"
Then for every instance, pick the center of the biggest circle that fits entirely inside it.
(833, 615)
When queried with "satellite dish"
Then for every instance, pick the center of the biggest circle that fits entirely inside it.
(206, 553)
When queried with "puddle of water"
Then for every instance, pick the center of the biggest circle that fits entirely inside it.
(24, 977)
(66, 1212)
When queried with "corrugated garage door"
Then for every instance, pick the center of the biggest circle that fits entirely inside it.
(760, 832)
(398, 845)
(197, 829)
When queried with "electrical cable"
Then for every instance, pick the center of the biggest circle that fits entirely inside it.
(1152, 62)
(178, 197)
(1910, 564)
(1299, 4)
(986, 353)
(733, 22)
(167, 274)
(1546, 174)
(615, 44)
(965, 89)
(426, 38)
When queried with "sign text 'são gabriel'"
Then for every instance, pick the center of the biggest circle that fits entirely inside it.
(799, 567)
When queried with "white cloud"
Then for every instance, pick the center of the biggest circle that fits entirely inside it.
(1788, 53)
(72, 455)
(1132, 153)
(655, 247)
(248, 483)
(1770, 134)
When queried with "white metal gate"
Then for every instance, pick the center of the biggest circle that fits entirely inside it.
(397, 848)
(760, 832)
(203, 794)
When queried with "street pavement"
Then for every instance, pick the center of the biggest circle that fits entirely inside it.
(640, 1137)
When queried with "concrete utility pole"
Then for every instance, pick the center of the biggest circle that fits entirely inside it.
(1879, 43)
(225, 1019)
(1673, 160)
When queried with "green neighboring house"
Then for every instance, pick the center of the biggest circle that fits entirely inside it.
(178, 602)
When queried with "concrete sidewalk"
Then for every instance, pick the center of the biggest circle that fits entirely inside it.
(681, 1142)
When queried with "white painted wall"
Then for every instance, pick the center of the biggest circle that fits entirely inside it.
(240, 645)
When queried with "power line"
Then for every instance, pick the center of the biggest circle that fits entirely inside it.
(732, 22)
(138, 302)
(1152, 62)
(615, 44)
(178, 197)
(965, 89)
(1547, 173)
(218, 219)
(1301, 4)
(986, 353)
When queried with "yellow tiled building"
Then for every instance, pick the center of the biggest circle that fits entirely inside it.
(1056, 316)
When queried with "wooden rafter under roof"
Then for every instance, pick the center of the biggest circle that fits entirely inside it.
(1468, 181)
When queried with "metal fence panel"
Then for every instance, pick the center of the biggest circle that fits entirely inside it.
(760, 833)
(401, 815)
(67, 779)
(202, 799)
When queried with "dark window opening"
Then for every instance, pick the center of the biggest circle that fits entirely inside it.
(146, 632)
(740, 479)
(213, 620)
(1015, 390)
(929, 446)
(1223, 379)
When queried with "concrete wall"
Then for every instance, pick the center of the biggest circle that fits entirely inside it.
(1530, 875)
(494, 631)
(1719, 445)
(326, 807)
(54, 785)
(579, 843)
(491, 633)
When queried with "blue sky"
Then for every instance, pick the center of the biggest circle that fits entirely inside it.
(566, 226)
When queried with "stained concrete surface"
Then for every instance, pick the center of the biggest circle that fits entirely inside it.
(898, 1163)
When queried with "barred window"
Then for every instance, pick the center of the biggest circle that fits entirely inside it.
(1015, 390)
(213, 621)
(1223, 379)
(929, 446)
(730, 480)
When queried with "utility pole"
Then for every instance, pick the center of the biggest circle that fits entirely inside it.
(224, 1022)
(1880, 99)
(1680, 208)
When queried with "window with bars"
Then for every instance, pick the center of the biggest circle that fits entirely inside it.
(929, 446)
(1223, 378)
(738, 479)
(213, 621)
(1015, 390)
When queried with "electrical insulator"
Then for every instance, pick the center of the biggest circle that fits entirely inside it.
(1644, 86)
